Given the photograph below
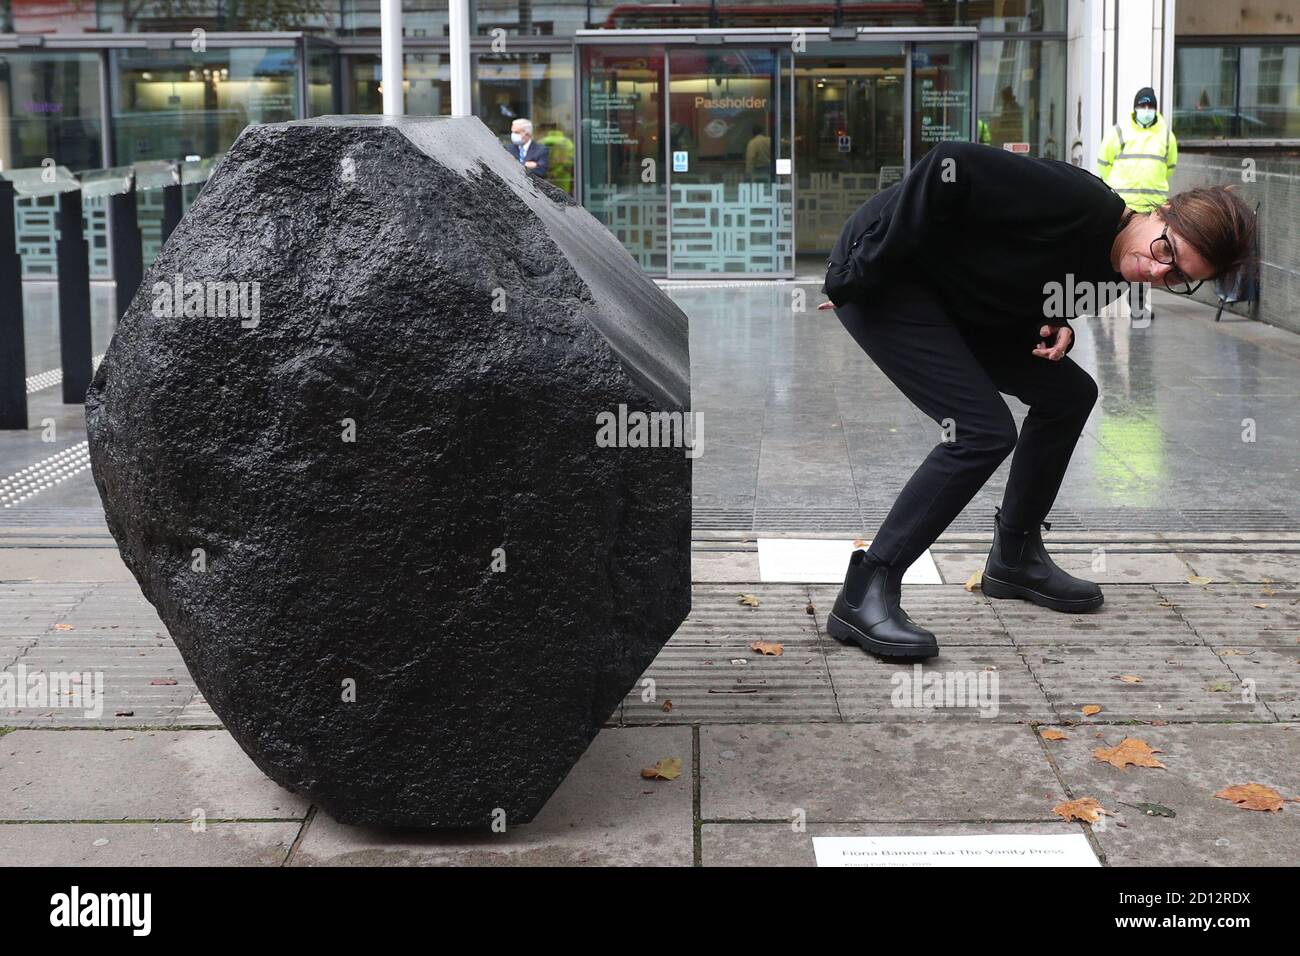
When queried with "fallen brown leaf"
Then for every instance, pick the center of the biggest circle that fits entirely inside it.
(1253, 796)
(1129, 751)
(1091, 709)
(976, 580)
(1128, 678)
(748, 600)
(1086, 809)
(669, 768)
(1052, 734)
(770, 648)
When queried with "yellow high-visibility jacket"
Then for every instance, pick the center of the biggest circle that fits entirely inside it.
(1136, 162)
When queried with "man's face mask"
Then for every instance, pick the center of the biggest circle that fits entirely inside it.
(1145, 116)
(518, 138)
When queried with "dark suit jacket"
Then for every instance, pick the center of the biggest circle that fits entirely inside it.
(537, 153)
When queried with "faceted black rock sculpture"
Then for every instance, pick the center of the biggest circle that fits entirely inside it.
(368, 494)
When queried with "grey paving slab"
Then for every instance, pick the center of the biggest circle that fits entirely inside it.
(1132, 615)
(778, 844)
(964, 683)
(1267, 614)
(1245, 567)
(724, 565)
(1178, 683)
(603, 814)
(63, 564)
(1119, 567)
(1271, 673)
(1201, 761)
(85, 775)
(146, 844)
(956, 616)
(875, 772)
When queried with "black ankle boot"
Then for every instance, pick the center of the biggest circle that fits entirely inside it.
(1019, 566)
(867, 612)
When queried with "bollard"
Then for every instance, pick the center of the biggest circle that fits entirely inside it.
(74, 299)
(125, 240)
(13, 358)
(173, 204)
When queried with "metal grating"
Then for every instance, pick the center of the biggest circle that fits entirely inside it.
(26, 516)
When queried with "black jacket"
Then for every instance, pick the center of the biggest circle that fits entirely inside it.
(992, 231)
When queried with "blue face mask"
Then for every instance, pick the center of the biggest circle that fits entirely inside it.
(1145, 117)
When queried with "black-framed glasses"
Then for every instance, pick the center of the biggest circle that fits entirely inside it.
(1162, 250)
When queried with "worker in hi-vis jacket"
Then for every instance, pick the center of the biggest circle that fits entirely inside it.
(1135, 160)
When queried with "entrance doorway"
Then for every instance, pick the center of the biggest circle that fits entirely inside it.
(850, 130)
(716, 153)
(730, 194)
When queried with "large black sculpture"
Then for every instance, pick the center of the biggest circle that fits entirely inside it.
(349, 440)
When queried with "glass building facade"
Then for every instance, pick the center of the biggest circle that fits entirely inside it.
(710, 136)
(1239, 90)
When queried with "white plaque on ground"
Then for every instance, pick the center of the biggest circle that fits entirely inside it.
(824, 561)
(985, 849)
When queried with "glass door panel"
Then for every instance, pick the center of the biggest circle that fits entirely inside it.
(848, 139)
(730, 188)
(941, 95)
(623, 180)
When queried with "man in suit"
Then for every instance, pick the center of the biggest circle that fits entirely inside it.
(532, 155)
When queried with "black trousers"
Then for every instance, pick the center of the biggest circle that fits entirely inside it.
(950, 370)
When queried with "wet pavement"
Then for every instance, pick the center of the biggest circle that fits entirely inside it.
(1195, 429)
(803, 432)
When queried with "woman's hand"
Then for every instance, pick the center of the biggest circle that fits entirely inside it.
(1056, 340)
(825, 305)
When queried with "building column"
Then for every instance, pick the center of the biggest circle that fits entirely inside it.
(1116, 47)
(390, 56)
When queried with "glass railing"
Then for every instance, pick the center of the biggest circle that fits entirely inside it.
(40, 190)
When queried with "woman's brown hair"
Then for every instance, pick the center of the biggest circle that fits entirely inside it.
(1217, 222)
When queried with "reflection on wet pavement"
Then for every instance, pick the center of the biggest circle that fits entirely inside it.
(1195, 428)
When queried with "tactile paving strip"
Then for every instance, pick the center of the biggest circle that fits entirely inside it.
(1131, 614)
(1182, 683)
(710, 674)
(111, 633)
(1245, 614)
(964, 682)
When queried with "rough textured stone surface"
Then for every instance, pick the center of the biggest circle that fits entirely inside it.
(377, 245)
